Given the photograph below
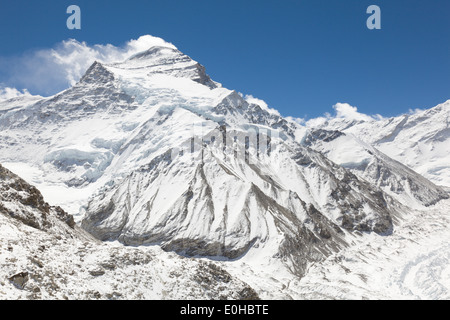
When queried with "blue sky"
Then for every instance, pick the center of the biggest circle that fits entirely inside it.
(301, 57)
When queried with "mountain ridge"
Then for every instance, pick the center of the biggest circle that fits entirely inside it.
(420, 140)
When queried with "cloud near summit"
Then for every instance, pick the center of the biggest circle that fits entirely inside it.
(48, 71)
(342, 111)
(346, 111)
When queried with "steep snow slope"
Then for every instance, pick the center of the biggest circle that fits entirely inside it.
(421, 140)
(43, 255)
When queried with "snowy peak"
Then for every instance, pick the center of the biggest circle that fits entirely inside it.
(155, 52)
(234, 110)
(167, 61)
(370, 164)
(419, 140)
(97, 74)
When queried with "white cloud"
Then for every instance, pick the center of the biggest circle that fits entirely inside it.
(415, 111)
(49, 71)
(346, 111)
(316, 122)
(343, 111)
(9, 93)
(145, 42)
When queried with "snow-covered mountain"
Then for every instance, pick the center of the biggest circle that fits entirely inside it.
(420, 140)
(365, 161)
(151, 152)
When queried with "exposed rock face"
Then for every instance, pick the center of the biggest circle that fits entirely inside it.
(25, 203)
